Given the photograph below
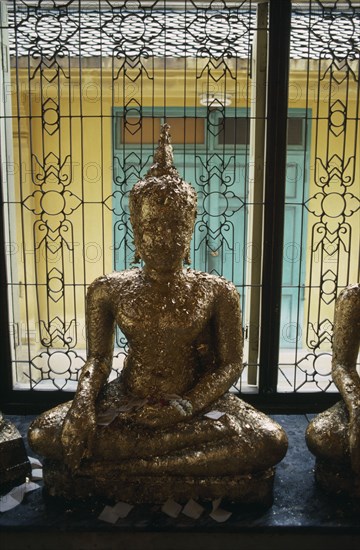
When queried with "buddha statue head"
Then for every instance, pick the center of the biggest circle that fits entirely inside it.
(163, 212)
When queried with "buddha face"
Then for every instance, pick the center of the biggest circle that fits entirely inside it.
(162, 234)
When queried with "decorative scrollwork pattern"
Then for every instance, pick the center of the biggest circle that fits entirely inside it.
(90, 81)
(332, 253)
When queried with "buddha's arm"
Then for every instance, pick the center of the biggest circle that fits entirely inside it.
(229, 341)
(100, 325)
(80, 422)
(346, 347)
(345, 350)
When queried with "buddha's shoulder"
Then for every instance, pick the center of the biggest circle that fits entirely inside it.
(351, 292)
(113, 282)
(215, 283)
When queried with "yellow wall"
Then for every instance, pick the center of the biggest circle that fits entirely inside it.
(308, 92)
(85, 114)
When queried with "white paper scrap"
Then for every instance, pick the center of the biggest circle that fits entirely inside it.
(18, 492)
(171, 508)
(16, 495)
(31, 487)
(192, 509)
(35, 463)
(216, 503)
(36, 473)
(109, 515)
(105, 419)
(12, 499)
(214, 415)
(7, 502)
(220, 515)
(122, 509)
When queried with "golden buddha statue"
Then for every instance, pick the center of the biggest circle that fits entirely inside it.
(145, 436)
(334, 435)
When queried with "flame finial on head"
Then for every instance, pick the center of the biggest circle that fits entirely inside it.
(163, 158)
(163, 193)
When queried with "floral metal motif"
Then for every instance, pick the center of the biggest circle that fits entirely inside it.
(56, 367)
(52, 39)
(336, 31)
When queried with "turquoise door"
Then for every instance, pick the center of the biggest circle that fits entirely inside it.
(218, 174)
(217, 166)
(294, 251)
(222, 217)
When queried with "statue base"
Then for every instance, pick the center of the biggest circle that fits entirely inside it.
(338, 479)
(104, 480)
(14, 464)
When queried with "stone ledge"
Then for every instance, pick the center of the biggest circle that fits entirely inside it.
(302, 516)
(296, 540)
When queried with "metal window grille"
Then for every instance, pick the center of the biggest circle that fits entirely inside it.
(84, 88)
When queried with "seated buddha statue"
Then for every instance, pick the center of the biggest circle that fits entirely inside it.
(146, 435)
(334, 435)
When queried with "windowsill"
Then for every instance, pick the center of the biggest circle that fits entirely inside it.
(302, 515)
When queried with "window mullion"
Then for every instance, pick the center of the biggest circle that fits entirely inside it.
(256, 193)
(275, 180)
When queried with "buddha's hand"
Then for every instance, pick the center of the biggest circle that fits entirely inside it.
(161, 415)
(354, 441)
(78, 433)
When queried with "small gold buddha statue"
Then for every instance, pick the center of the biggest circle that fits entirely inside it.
(14, 463)
(145, 436)
(334, 435)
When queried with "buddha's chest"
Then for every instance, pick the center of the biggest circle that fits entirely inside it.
(177, 313)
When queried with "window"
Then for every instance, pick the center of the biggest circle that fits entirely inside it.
(295, 131)
(235, 130)
(84, 90)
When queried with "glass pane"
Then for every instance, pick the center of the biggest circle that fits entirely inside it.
(321, 237)
(187, 130)
(80, 131)
(295, 131)
(234, 131)
(139, 130)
